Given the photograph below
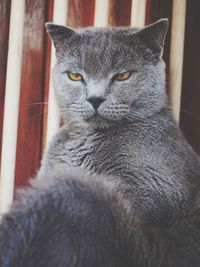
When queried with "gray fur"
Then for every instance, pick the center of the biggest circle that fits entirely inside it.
(146, 192)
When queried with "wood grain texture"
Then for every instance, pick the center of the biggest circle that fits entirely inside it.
(155, 10)
(119, 13)
(138, 12)
(4, 35)
(32, 92)
(11, 104)
(101, 13)
(80, 13)
(47, 57)
(190, 104)
(176, 56)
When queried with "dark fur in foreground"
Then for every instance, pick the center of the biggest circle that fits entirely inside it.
(70, 220)
(76, 220)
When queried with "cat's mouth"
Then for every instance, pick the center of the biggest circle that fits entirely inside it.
(99, 119)
(95, 116)
(105, 113)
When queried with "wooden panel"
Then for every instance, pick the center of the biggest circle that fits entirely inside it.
(4, 32)
(53, 119)
(138, 12)
(119, 13)
(101, 13)
(11, 105)
(176, 56)
(190, 105)
(157, 9)
(80, 13)
(47, 55)
(32, 93)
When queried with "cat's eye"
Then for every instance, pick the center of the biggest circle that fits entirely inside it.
(122, 76)
(75, 76)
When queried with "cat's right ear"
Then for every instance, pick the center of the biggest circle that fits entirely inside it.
(60, 35)
(154, 35)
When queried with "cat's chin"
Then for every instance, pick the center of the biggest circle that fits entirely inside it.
(97, 121)
(96, 118)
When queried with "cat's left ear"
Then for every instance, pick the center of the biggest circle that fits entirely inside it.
(154, 35)
(60, 35)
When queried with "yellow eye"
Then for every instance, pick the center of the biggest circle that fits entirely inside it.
(75, 76)
(122, 76)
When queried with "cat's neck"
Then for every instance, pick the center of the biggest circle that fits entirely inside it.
(162, 119)
(159, 122)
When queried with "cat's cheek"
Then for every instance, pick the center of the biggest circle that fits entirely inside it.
(74, 93)
(86, 111)
(121, 93)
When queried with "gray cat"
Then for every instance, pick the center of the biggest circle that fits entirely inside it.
(119, 185)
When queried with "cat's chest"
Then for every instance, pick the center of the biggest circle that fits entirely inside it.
(103, 153)
(92, 152)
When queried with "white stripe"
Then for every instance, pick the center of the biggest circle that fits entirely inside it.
(101, 13)
(11, 109)
(138, 12)
(53, 121)
(176, 55)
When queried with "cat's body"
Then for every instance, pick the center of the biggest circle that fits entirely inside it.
(152, 171)
(143, 208)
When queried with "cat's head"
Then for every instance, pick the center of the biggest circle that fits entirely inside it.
(104, 76)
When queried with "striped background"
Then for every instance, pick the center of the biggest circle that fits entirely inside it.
(28, 114)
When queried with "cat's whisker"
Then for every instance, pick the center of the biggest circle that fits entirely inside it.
(66, 112)
(186, 111)
(144, 120)
(37, 103)
(38, 114)
(131, 118)
(134, 115)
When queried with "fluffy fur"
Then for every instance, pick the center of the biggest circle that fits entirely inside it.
(134, 200)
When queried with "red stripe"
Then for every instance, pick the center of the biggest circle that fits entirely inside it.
(32, 91)
(80, 13)
(119, 13)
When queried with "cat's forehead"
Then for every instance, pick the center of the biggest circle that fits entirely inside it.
(102, 49)
(106, 30)
(104, 37)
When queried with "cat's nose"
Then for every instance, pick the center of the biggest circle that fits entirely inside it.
(96, 101)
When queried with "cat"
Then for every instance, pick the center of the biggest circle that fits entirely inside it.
(119, 185)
